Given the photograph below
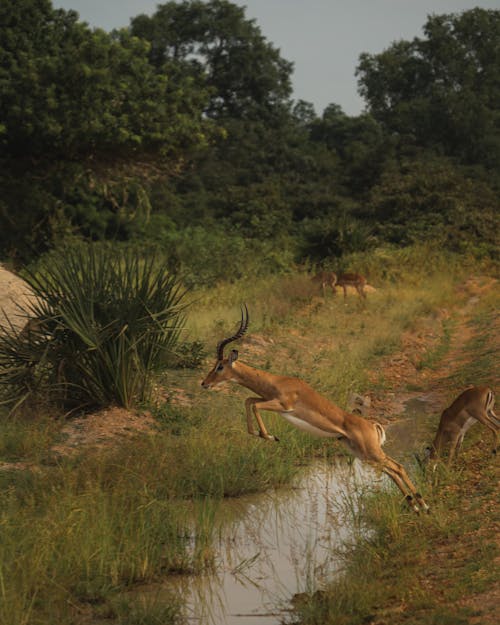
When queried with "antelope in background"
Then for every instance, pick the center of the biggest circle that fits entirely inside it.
(331, 279)
(473, 405)
(352, 279)
(307, 410)
(325, 279)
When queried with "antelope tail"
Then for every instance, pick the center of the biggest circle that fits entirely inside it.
(381, 433)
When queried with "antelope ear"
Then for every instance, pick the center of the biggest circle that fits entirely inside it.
(233, 356)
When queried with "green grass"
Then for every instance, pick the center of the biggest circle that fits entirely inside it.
(405, 569)
(414, 570)
(481, 363)
(434, 357)
(81, 532)
(26, 439)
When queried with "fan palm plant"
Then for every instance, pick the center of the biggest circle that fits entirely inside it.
(102, 323)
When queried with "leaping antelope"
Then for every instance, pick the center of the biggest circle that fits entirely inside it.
(307, 410)
(473, 405)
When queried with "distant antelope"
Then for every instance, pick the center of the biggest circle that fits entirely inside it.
(325, 279)
(473, 405)
(352, 279)
(307, 410)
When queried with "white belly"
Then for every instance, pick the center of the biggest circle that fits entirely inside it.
(468, 424)
(307, 427)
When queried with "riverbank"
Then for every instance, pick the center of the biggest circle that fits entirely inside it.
(94, 507)
(442, 568)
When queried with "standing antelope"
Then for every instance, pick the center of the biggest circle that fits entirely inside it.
(326, 278)
(473, 405)
(352, 279)
(307, 410)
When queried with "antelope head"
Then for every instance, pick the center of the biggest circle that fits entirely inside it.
(222, 371)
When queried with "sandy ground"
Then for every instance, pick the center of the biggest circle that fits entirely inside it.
(14, 293)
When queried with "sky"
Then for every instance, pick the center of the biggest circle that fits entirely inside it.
(322, 38)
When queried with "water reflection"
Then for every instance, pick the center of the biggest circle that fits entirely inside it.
(275, 545)
(271, 546)
(410, 434)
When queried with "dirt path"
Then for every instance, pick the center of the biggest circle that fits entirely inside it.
(399, 372)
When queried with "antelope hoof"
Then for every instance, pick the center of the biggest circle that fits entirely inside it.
(269, 437)
(412, 504)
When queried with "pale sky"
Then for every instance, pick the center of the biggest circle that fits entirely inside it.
(322, 38)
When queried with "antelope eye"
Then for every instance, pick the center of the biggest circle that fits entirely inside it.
(219, 367)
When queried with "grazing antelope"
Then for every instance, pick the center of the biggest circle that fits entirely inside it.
(326, 278)
(307, 410)
(473, 405)
(352, 279)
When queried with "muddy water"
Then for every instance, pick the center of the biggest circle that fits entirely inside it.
(275, 545)
(410, 434)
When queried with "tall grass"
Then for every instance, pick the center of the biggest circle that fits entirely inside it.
(402, 569)
(79, 532)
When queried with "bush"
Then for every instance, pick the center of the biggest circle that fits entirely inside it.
(103, 322)
(208, 255)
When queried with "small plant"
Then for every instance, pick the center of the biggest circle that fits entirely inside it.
(188, 355)
(102, 323)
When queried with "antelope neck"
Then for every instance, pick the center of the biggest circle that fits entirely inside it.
(256, 380)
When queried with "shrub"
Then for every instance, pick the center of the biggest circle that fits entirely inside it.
(103, 322)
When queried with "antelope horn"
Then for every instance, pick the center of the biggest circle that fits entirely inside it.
(241, 331)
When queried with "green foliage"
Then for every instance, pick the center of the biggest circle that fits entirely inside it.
(102, 323)
(67, 89)
(183, 123)
(335, 237)
(359, 142)
(209, 255)
(433, 199)
(442, 91)
(246, 75)
(85, 122)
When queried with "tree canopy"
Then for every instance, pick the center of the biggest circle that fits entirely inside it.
(441, 91)
(180, 132)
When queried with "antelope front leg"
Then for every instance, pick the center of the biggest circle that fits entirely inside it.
(454, 450)
(399, 476)
(252, 404)
(494, 428)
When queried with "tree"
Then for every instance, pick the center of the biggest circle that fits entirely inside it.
(72, 92)
(359, 143)
(239, 178)
(85, 123)
(214, 42)
(442, 91)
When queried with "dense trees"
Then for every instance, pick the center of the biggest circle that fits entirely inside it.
(79, 111)
(213, 42)
(443, 91)
(180, 131)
